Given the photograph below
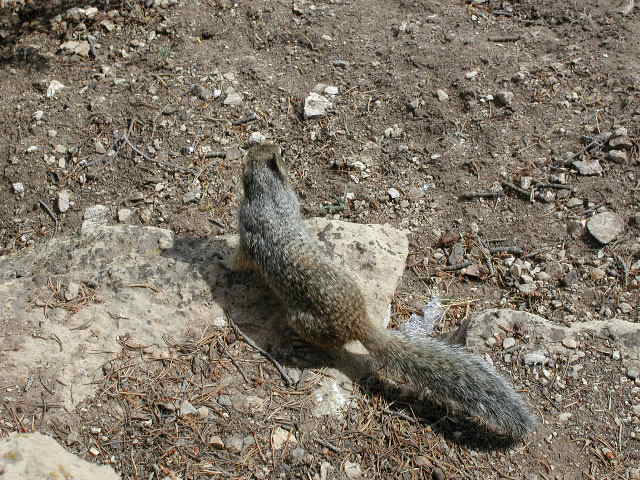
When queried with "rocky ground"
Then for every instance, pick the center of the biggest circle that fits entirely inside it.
(502, 135)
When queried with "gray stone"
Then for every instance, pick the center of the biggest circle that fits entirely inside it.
(605, 226)
(574, 202)
(564, 417)
(33, 456)
(18, 188)
(94, 217)
(618, 156)
(72, 291)
(316, 106)
(442, 95)
(201, 92)
(256, 137)
(588, 167)
(53, 88)
(621, 142)
(186, 408)
(280, 437)
(194, 193)
(234, 443)
(394, 194)
(352, 470)
(64, 199)
(504, 98)
(81, 48)
(232, 97)
(124, 215)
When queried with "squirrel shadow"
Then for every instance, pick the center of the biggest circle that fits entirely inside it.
(247, 301)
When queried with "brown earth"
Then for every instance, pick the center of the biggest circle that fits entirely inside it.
(573, 70)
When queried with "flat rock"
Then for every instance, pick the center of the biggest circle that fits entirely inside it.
(188, 291)
(33, 456)
(316, 105)
(543, 336)
(605, 226)
(588, 167)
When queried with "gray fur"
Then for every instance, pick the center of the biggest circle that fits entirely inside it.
(328, 309)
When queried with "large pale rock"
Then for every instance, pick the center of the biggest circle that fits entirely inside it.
(33, 456)
(148, 284)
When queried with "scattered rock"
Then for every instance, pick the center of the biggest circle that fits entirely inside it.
(605, 226)
(621, 142)
(234, 443)
(201, 92)
(626, 308)
(186, 408)
(216, 442)
(33, 456)
(633, 372)
(124, 215)
(504, 98)
(352, 470)
(535, 358)
(18, 188)
(508, 342)
(393, 132)
(64, 199)
(394, 194)
(95, 217)
(232, 97)
(618, 156)
(316, 106)
(570, 343)
(81, 48)
(53, 88)
(194, 193)
(564, 417)
(442, 95)
(574, 202)
(588, 167)
(256, 137)
(280, 436)
(570, 279)
(72, 291)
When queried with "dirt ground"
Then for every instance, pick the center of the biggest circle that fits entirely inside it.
(435, 101)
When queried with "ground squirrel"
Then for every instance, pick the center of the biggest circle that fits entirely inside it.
(326, 307)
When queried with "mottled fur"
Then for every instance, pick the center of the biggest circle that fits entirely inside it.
(328, 309)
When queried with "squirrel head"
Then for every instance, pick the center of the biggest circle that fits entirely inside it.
(264, 163)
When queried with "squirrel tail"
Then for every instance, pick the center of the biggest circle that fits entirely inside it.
(452, 377)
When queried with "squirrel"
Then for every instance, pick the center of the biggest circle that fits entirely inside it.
(327, 308)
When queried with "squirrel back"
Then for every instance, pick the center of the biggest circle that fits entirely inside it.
(326, 307)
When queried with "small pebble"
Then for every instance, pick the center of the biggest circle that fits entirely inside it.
(504, 98)
(64, 199)
(442, 95)
(18, 188)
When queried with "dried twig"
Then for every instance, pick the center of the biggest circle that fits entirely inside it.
(287, 380)
(506, 249)
(487, 194)
(458, 266)
(526, 194)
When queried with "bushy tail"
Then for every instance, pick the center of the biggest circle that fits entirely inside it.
(452, 377)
